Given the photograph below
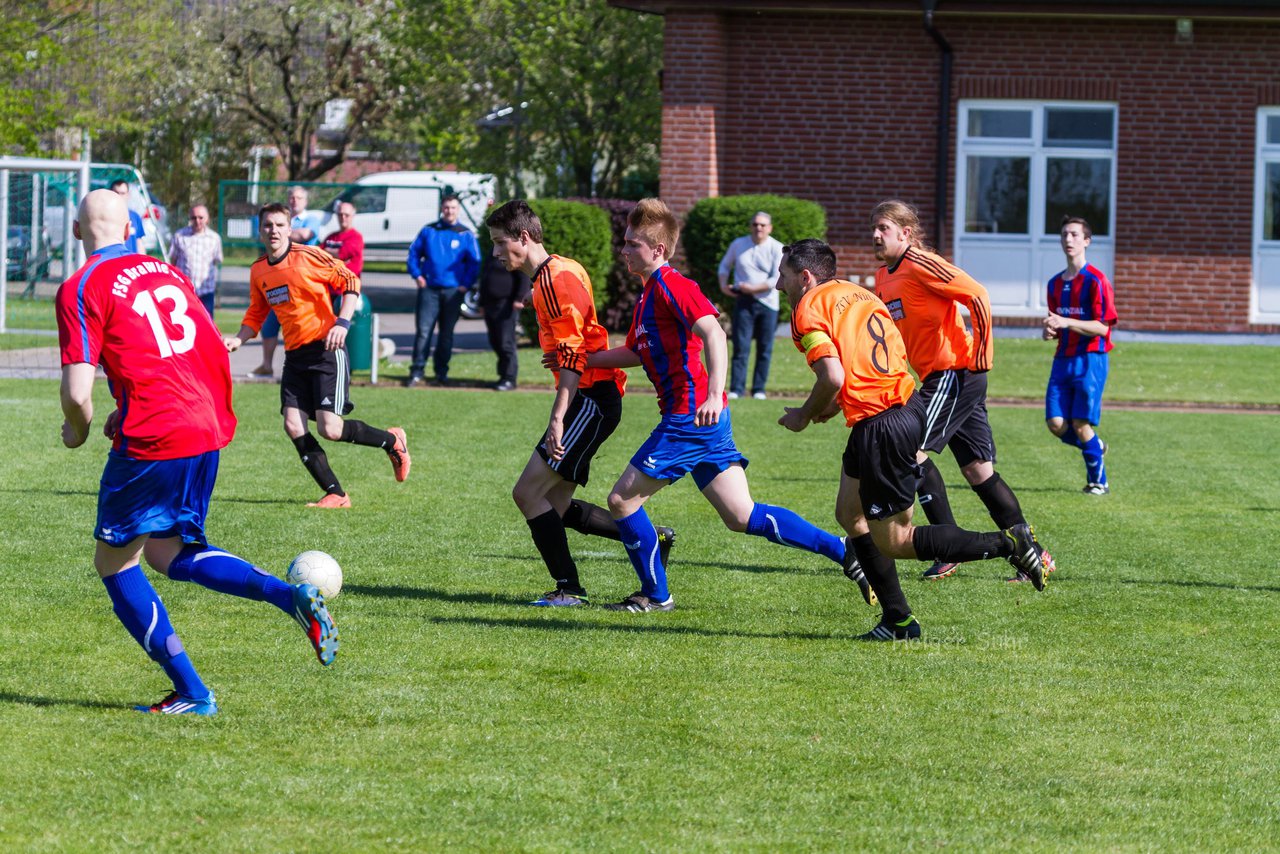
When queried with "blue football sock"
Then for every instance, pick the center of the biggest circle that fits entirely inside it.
(1092, 450)
(779, 525)
(211, 567)
(1069, 437)
(139, 608)
(641, 541)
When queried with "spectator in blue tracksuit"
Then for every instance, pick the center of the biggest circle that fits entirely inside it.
(444, 261)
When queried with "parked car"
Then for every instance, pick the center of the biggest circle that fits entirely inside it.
(392, 207)
(26, 259)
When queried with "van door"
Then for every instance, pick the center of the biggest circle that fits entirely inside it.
(408, 210)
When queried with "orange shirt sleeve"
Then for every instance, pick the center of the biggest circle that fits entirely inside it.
(256, 313)
(957, 285)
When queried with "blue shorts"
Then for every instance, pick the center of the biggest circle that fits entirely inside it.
(1075, 388)
(270, 326)
(676, 447)
(163, 498)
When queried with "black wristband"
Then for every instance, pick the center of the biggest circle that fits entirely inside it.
(343, 322)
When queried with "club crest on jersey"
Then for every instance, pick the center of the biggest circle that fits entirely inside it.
(895, 309)
(276, 296)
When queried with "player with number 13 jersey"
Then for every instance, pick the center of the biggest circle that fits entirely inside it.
(164, 359)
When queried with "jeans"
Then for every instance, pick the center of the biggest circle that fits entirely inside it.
(500, 323)
(752, 319)
(442, 306)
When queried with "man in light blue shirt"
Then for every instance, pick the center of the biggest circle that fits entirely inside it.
(754, 260)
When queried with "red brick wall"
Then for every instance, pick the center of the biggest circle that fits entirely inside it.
(841, 109)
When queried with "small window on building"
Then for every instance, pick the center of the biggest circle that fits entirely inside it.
(1077, 128)
(1000, 124)
(997, 198)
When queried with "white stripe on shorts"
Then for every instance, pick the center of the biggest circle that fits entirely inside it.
(944, 397)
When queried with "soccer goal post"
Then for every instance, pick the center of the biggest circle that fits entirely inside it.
(33, 190)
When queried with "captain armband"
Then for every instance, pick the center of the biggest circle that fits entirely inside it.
(814, 339)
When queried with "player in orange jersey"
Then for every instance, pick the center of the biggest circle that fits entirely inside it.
(586, 409)
(924, 294)
(860, 367)
(295, 281)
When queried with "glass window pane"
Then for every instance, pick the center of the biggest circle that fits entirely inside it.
(1273, 130)
(1077, 187)
(997, 195)
(1082, 128)
(1271, 203)
(1003, 124)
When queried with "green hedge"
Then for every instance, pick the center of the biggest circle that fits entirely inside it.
(713, 223)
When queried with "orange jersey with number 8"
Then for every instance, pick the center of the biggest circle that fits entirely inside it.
(840, 320)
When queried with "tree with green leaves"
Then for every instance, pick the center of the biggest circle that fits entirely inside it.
(564, 89)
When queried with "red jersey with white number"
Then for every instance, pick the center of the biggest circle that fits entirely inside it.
(165, 362)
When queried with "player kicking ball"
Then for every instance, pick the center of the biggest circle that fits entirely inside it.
(586, 409)
(295, 281)
(169, 374)
(860, 367)
(674, 323)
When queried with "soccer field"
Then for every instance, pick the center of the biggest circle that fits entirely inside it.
(1133, 705)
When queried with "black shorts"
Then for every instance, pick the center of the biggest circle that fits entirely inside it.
(593, 415)
(315, 379)
(881, 456)
(954, 404)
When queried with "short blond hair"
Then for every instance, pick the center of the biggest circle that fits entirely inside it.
(652, 220)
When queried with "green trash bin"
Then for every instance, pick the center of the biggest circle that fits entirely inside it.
(360, 336)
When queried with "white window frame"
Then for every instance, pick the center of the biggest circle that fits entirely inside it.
(1031, 253)
(1266, 253)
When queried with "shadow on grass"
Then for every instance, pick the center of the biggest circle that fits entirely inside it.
(1213, 585)
(400, 592)
(648, 628)
(26, 700)
(65, 492)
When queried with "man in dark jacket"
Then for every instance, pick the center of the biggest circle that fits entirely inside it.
(444, 261)
(502, 295)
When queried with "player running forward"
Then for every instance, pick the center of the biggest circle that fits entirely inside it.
(168, 372)
(923, 294)
(1082, 310)
(860, 368)
(587, 405)
(673, 323)
(295, 280)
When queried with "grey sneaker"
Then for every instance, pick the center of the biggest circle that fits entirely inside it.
(638, 603)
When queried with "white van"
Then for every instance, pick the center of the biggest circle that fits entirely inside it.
(392, 207)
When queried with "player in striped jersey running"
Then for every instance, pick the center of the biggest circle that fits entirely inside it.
(924, 294)
(295, 281)
(586, 409)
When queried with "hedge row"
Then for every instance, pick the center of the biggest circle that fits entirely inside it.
(591, 231)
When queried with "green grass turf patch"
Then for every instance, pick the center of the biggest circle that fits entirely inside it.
(1130, 706)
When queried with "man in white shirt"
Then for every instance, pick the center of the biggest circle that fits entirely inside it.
(196, 250)
(754, 260)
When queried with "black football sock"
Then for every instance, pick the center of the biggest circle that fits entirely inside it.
(933, 495)
(591, 520)
(882, 573)
(317, 463)
(359, 433)
(1001, 503)
(550, 540)
(954, 544)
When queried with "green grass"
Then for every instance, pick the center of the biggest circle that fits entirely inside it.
(1133, 705)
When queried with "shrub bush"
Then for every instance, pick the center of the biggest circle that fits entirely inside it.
(713, 223)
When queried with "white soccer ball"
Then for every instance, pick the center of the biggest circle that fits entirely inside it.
(316, 568)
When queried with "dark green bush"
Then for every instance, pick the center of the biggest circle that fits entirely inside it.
(713, 223)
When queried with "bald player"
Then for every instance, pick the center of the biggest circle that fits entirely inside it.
(140, 319)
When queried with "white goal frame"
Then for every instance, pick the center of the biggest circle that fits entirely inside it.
(70, 244)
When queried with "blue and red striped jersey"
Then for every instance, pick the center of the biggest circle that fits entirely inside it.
(1088, 296)
(662, 336)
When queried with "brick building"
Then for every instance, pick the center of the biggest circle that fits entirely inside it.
(1159, 121)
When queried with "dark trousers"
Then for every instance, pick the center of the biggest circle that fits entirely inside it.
(207, 301)
(752, 320)
(440, 306)
(500, 322)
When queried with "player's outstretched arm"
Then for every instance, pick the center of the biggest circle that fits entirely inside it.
(77, 402)
(708, 329)
(618, 357)
(828, 377)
